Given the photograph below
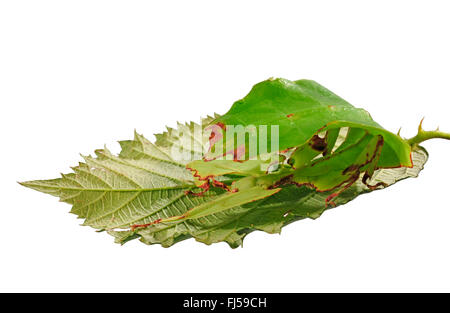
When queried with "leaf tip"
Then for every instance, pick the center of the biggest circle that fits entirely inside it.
(24, 184)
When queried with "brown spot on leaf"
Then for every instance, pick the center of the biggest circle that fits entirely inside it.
(318, 144)
(283, 181)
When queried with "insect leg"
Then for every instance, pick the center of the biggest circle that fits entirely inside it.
(219, 204)
(329, 199)
(366, 162)
(372, 166)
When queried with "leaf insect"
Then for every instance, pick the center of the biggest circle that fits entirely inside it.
(326, 145)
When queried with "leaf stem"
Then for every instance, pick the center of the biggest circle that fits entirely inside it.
(423, 135)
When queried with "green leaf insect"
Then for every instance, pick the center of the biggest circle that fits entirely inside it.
(288, 150)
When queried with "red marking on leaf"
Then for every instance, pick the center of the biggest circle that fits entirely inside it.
(219, 184)
(205, 186)
(195, 173)
(221, 125)
(290, 115)
(216, 133)
(352, 180)
(133, 227)
(330, 197)
(236, 153)
(285, 150)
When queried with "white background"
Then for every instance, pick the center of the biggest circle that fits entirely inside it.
(75, 75)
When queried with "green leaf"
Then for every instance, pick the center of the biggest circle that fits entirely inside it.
(291, 204)
(300, 109)
(154, 192)
(144, 184)
(115, 192)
